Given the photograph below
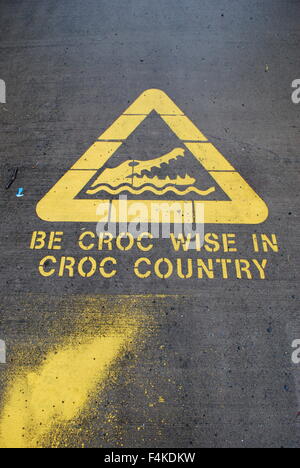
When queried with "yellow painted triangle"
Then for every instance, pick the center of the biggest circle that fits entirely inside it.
(243, 207)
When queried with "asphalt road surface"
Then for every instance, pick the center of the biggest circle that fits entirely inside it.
(110, 345)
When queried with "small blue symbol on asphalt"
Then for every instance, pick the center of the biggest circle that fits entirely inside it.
(20, 192)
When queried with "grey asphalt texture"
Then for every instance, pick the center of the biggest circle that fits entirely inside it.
(220, 350)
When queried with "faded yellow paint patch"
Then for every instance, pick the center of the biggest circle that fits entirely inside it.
(55, 393)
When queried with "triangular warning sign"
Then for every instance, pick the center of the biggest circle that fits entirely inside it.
(62, 203)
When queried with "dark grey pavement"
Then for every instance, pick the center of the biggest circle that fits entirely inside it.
(218, 354)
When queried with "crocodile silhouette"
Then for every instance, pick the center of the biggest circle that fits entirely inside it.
(135, 177)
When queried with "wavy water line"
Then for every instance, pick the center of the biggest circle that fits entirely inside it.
(151, 189)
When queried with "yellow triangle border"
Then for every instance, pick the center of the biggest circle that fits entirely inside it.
(244, 207)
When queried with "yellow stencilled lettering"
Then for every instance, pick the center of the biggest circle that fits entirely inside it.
(137, 271)
(103, 271)
(42, 265)
(243, 266)
(105, 238)
(38, 240)
(129, 237)
(224, 262)
(140, 244)
(82, 237)
(265, 243)
(269, 244)
(189, 273)
(55, 237)
(157, 268)
(181, 242)
(255, 243)
(208, 269)
(229, 240)
(213, 244)
(261, 267)
(67, 264)
(92, 267)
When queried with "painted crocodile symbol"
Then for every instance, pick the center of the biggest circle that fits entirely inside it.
(135, 177)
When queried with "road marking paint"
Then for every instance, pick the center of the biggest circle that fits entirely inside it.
(61, 203)
(20, 192)
(44, 399)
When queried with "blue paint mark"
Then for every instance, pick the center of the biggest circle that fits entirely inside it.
(20, 192)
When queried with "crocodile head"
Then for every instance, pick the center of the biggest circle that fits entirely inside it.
(137, 177)
(138, 173)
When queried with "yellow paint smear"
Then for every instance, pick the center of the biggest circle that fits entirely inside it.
(54, 394)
